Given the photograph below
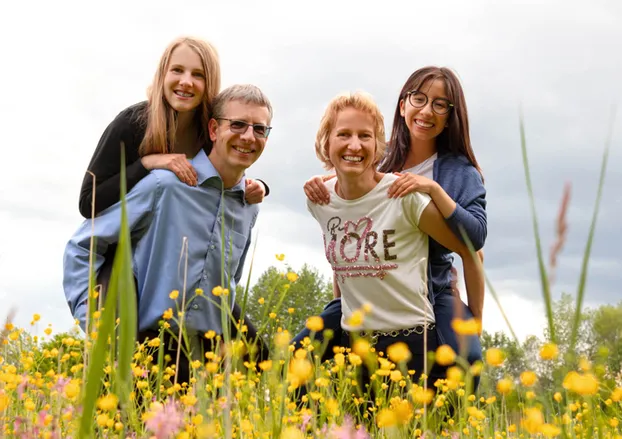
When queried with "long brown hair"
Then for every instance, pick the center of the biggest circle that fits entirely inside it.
(454, 139)
(161, 118)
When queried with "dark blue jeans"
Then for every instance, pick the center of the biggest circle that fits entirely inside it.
(444, 314)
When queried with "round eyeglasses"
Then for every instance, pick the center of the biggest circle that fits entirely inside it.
(419, 99)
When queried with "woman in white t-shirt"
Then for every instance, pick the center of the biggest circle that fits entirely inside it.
(376, 245)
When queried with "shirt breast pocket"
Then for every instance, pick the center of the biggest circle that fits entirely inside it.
(234, 248)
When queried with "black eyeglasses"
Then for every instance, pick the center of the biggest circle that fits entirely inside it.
(419, 99)
(260, 131)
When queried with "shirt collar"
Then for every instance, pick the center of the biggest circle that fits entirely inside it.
(206, 171)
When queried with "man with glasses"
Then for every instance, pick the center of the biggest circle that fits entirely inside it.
(181, 233)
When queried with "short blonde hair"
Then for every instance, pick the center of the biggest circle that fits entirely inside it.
(358, 100)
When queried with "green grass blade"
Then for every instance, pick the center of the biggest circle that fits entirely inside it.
(127, 298)
(546, 292)
(97, 360)
(588, 247)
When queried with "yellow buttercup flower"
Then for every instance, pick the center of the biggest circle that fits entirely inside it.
(281, 339)
(466, 327)
(300, 371)
(398, 352)
(549, 430)
(445, 355)
(292, 277)
(549, 351)
(108, 402)
(292, 432)
(583, 384)
(422, 396)
(533, 420)
(315, 323)
(528, 378)
(494, 357)
(361, 347)
(504, 386)
(4, 402)
(280, 257)
(217, 291)
(356, 319)
(174, 294)
(386, 418)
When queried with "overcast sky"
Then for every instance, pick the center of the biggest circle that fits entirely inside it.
(71, 67)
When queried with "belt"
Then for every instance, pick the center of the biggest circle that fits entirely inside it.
(418, 329)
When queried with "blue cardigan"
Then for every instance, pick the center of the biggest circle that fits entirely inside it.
(464, 184)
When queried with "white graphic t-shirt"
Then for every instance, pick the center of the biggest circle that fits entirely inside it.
(378, 254)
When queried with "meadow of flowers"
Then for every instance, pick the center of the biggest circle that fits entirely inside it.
(104, 384)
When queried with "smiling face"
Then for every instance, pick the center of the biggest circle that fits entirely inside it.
(352, 143)
(423, 123)
(184, 82)
(233, 152)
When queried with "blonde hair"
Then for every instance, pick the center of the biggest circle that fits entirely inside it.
(161, 118)
(361, 101)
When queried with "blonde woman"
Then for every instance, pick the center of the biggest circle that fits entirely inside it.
(378, 245)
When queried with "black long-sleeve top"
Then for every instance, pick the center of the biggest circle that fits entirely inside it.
(129, 127)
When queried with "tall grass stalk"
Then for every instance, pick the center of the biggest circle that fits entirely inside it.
(588, 246)
(546, 292)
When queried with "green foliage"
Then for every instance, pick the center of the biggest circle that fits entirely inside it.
(307, 296)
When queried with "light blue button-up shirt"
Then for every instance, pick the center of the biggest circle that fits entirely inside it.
(163, 213)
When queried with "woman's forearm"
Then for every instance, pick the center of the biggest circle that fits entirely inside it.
(475, 284)
(446, 205)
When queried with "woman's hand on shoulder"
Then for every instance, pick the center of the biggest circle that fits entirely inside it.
(315, 190)
(177, 163)
(255, 191)
(408, 183)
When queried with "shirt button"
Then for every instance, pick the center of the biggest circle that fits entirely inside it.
(212, 246)
(195, 306)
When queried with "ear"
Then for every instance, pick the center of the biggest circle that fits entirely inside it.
(402, 110)
(212, 126)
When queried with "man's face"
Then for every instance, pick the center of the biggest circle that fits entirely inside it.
(239, 136)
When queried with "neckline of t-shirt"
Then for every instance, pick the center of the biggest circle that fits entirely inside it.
(361, 198)
(417, 168)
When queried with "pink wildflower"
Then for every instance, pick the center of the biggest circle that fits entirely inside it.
(165, 421)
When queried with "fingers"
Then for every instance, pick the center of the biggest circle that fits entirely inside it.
(255, 191)
(404, 185)
(316, 192)
(320, 189)
(185, 172)
(311, 193)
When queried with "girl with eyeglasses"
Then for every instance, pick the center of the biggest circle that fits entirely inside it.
(430, 150)
(160, 133)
